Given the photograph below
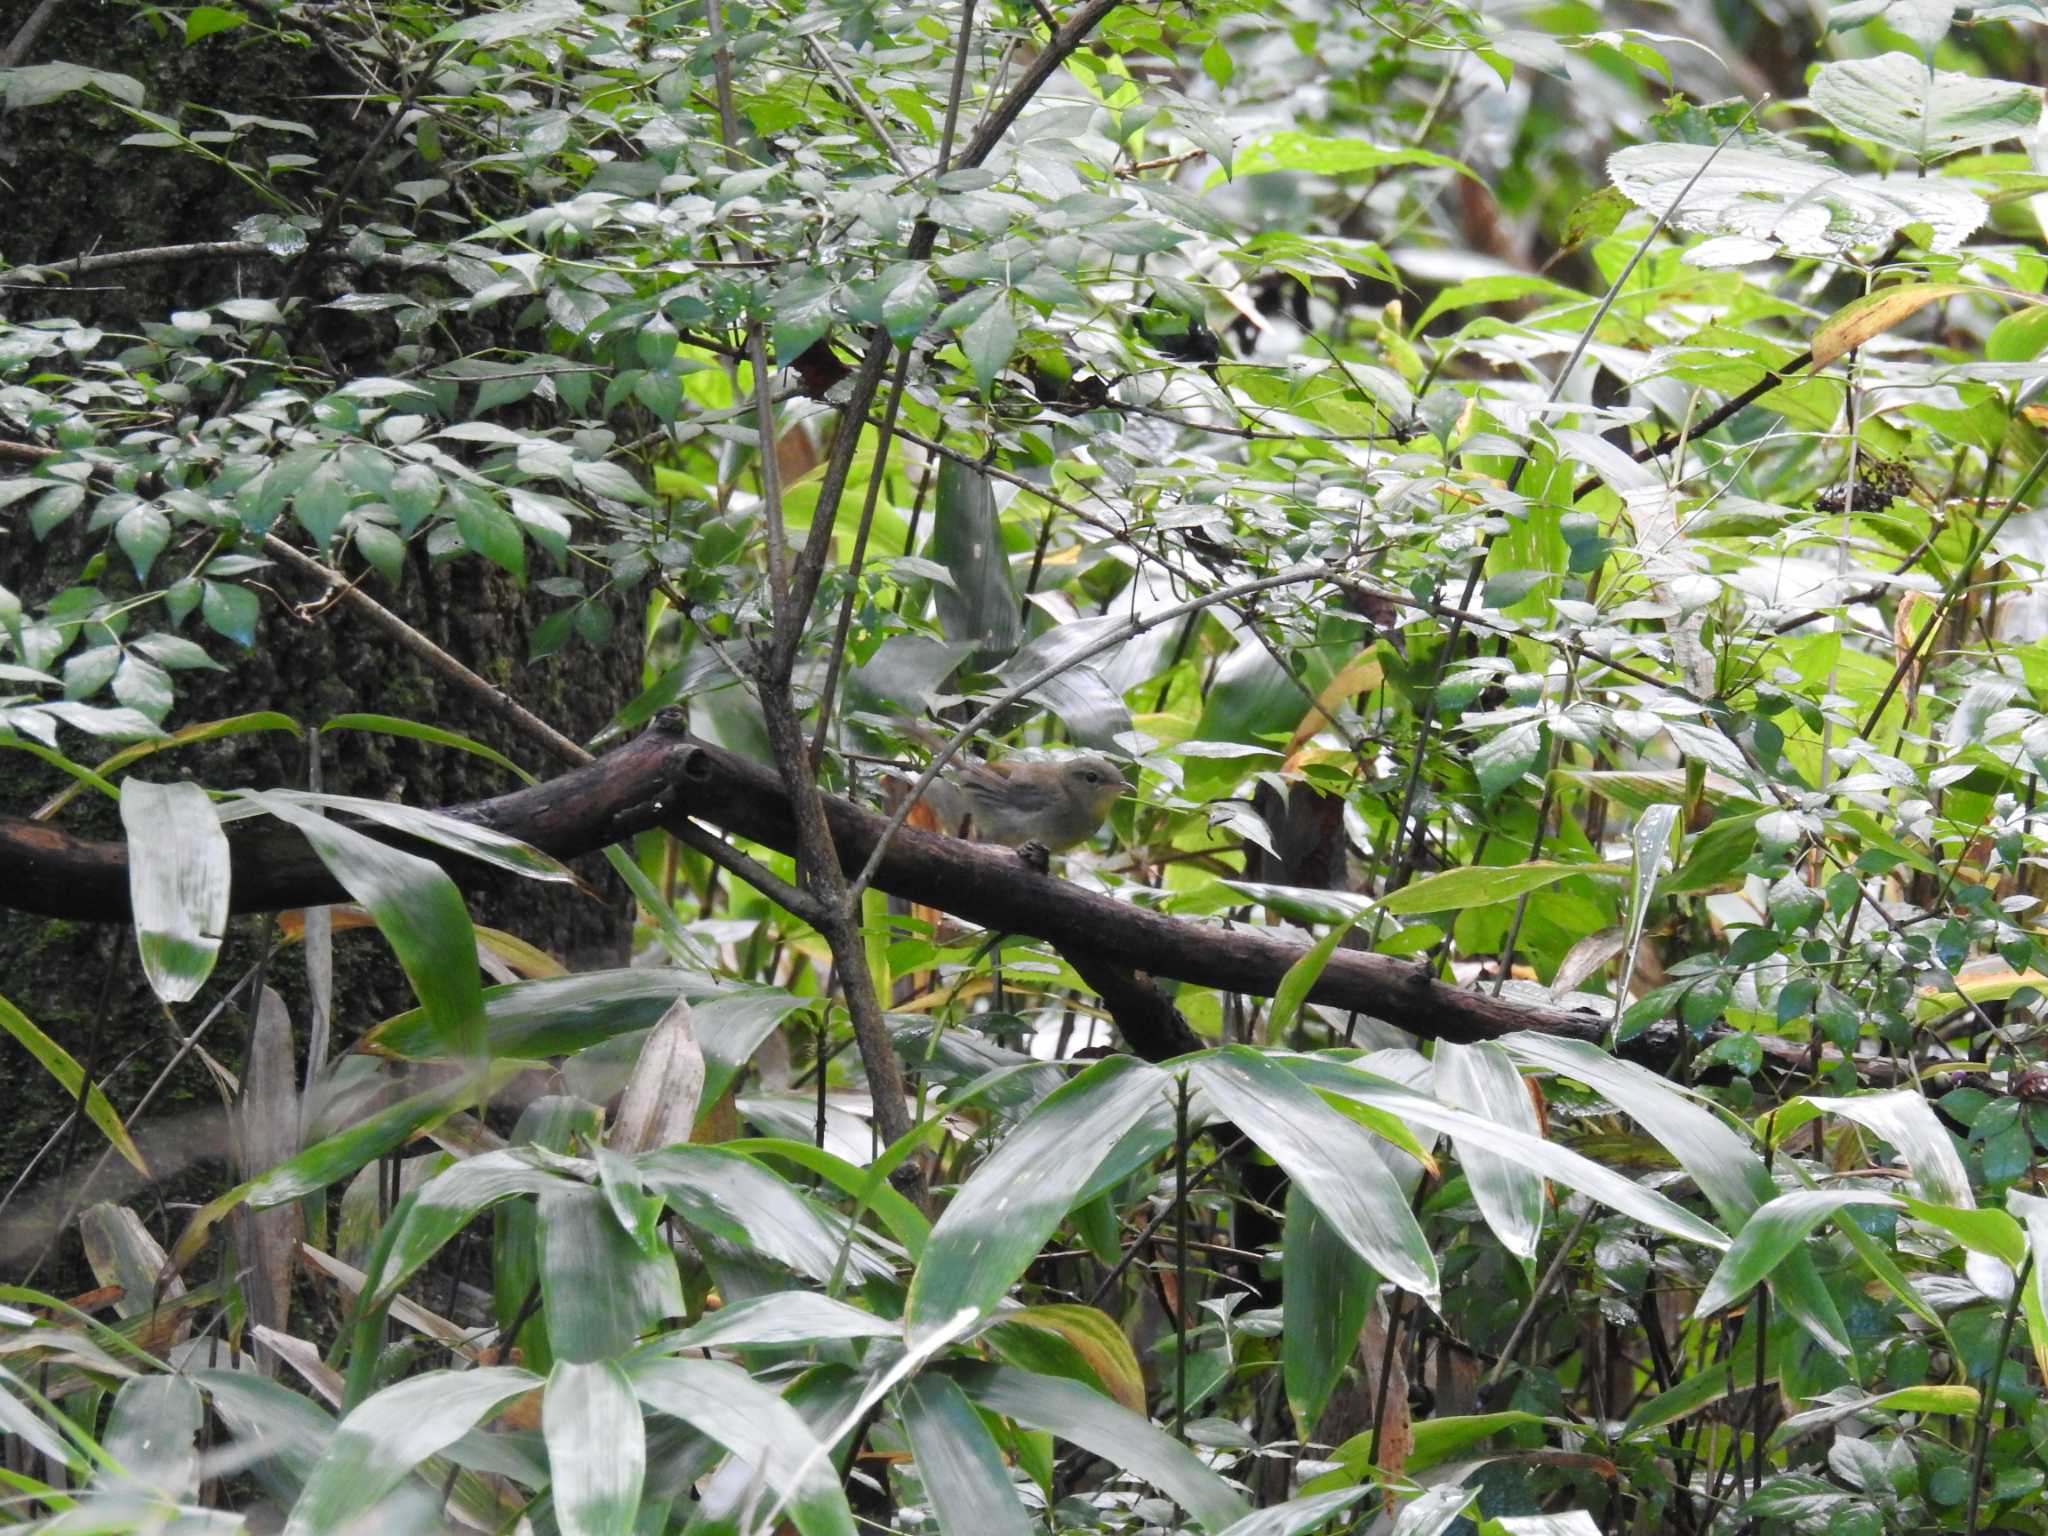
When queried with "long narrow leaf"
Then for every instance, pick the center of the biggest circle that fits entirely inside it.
(597, 1449)
(418, 910)
(1903, 1118)
(1729, 1174)
(726, 1404)
(70, 1076)
(1483, 1079)
(1100, 1427)
(390, 1434)
(1327, 1289)
(1334, 1159)
(1004, 1213)
(958, 1463)
(1546, 1157)
(1773, 1231)
(178, 875)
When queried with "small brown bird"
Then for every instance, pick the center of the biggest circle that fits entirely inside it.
(1057, 803)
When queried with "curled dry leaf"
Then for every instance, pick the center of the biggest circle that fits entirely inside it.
(659, 1106)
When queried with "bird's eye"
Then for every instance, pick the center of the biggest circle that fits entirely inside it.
(1090, 776)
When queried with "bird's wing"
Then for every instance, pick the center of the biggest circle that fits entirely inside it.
(988, 784)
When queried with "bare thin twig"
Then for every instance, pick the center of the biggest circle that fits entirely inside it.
(419, 645)
(141, 256)
(27, 33)
(751, 870)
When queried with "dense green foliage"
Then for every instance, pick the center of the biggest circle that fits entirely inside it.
(1517, 492)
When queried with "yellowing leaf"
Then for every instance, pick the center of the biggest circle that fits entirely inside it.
(1094, 1336)
(528, 960)
(1874, 314)
(1361, 674)
(1986, 984)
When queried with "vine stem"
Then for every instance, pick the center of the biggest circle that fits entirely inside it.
(1982, 1443)
(1543, 1289)
(1180, 1261)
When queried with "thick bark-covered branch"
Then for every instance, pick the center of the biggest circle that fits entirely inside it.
(663, 775)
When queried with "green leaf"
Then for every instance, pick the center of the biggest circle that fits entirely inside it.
(489, 530)
(1482, 1078)
(152, 1432)
(1297, 1515)
(907, 297)
(1649, 841)
(230, 611)
(392, 725)
(2032, 1210)
(322, 502)
(534, 20)
(1300, 980)
(804, 312)
(726, 1405)
(415, 491)
(1088, 1338)
(967, 537)
(274, 1423)
(449, 1201)
(178, 875)
(1954, 1399)
(1993, 1233)
(989, 343)
(736, 1199)
(1015, 1200)
(35, 84)
(581, 1238)
(1755, 197)
(906, 1223)
(1437, 1440)
(383, 548)
(1700, 1389)
(204, 730)
(1567, 1167)
(783, 1317)
(1729, 1173)
(1327, 1290)
(205, 20)
(1773, 1231)
(1505, 757)
(958, 1464)
(613, 480)
(418, 910)
(1482, 885)
(1333, 1158)
(1905, 1119)
(70, 1076)
(560, 1015)
(458, 834)
(1100, 1427)
(142, 533)
(342, 1154)
(1928, 113)
(1503, 288)
(597, 1449)
(390, 1434)
(1288, 150)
